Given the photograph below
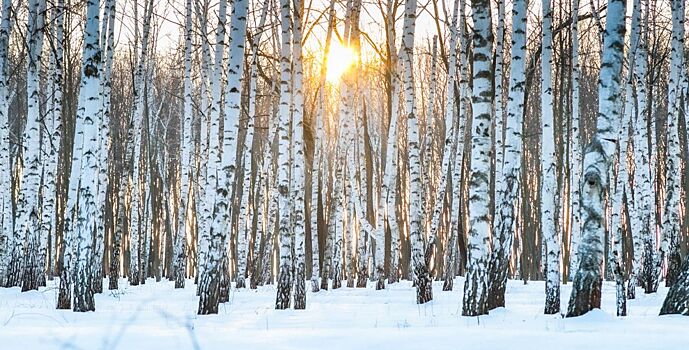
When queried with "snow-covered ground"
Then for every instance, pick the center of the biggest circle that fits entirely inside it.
(156, 316)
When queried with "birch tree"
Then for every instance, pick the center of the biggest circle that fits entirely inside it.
(644, 198)
(669, 246)
(424, 286)
(51, 139)
(232, 113)
(6, 219)
(575, 145)
(586, 289)
(476, 284)
(549, 232)
(85, 162)
(511, 168)
(28, 206)
(185, 193)
(284, 287)
(137, 199)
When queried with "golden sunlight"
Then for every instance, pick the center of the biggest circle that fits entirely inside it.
(340, 59)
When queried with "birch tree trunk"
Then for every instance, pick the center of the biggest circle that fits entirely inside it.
(424, 292)
(108, 45)
(644, 199)
(245, 217)
(185, 192)
(85, 174)
(669, 246)
(284, 288)
(575, 145)
(232, 113)
(7, 242)
(507, 194)
(298, 161)
(549, 232)
(476, 284)
(27, 230)
(51, 142)
(586, 289)
(137, 194)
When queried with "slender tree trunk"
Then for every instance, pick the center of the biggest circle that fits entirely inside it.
(285, 281)
(575, 146)
(549, 232)
(424, 287)
(669, 246)
(507, 194)
(298, 161)
(185, 192)
(7, 242)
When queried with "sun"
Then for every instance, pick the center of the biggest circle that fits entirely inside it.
(340, 59)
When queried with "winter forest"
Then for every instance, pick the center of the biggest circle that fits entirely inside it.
(438, 167)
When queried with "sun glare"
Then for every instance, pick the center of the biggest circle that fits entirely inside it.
(340, 59)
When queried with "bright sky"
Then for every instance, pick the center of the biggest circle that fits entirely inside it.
(169, 16)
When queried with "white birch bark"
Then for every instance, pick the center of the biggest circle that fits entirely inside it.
(28, 205)
(575, 145)
(424, 291)
(284, 288)
(6, 219)
(185, 191)
(549, 232)
(507, 193)
(84, 172)
(644, 199)
(202, 206)
(213, 160)
(475, 287)
(136, 184)
(597, 159)
(499, 133)
(245, 217)
(671, 208)
(108, 46)
(298, 161)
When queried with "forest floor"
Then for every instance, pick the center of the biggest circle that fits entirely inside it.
(156, 316)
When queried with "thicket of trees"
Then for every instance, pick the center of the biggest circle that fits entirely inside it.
(506, 144)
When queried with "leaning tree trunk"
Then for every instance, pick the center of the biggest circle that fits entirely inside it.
(476, 284)
(677, 299)
(586, 289)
